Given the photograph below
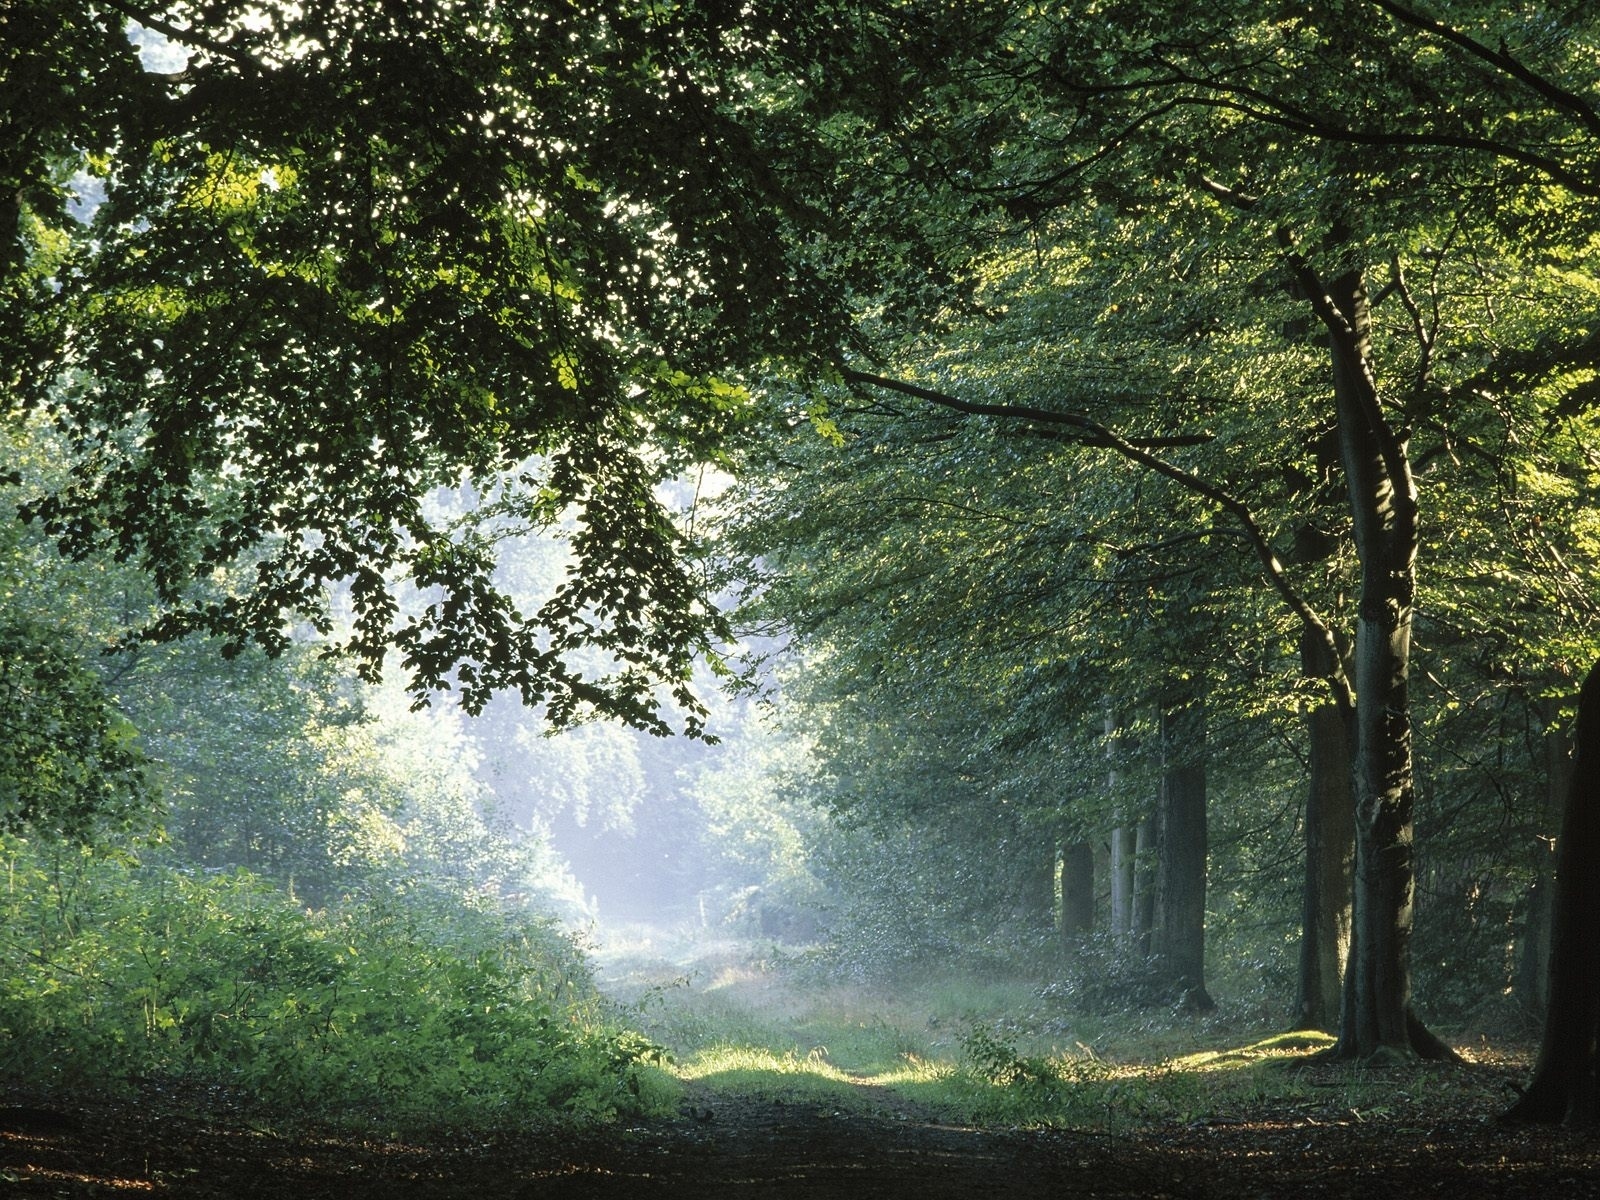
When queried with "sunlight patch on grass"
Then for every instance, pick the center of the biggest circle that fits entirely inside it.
(730, 1059)
(973, 1051)
(810, 1077)
(1280, 1046)
(727, 1061)
(76, 1180)
(912, 1072)
(757, 1071)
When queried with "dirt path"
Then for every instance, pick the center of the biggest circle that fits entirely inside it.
(756, 1149)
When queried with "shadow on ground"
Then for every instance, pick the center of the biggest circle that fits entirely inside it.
(733, 1146)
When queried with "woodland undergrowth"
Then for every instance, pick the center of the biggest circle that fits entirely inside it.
(993, 1050)
(396, 1007)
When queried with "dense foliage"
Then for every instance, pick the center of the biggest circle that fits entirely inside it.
(299, 898)
(1271, 383)
(385, 1009)
(1166, 453)
(342, 255)
(69, 765)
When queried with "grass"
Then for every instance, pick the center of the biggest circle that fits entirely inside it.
(795, 1079)
(983, 1051)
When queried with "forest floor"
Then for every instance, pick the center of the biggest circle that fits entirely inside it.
(837, 1108)
(1435, 1140)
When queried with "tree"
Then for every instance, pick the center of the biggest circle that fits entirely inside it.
(1320, 134)
(70, 764)
(1179, 934)
(352, 253)
(991, 583)
(247, 754)
(1329, 854)
(1563, 1087)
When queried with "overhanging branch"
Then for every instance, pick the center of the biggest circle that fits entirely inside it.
(1096, 434)
(1559, 96)
(1092, 433)
(184, 37)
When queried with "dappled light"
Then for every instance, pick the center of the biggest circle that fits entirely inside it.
(780, 1082)
(887, 598)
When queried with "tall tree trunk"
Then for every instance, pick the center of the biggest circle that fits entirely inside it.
(1564, 1086)
(1330, 851)
(1038, 906)
(1529, 984)
(1124, 850)
(1124, 842)
(1377, 1018)
(1145, 857)
(1179, 935)
(1077, 891)
(1102, 877)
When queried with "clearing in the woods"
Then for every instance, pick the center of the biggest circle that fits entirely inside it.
(844, 1092)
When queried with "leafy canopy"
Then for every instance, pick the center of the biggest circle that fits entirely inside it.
(352, 253)
(69, 763)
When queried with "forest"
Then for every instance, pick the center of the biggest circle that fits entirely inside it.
(925, 597)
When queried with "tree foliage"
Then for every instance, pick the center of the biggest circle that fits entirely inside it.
(1166, 218)
(70, 765)
(349, 254)
(1074, 358)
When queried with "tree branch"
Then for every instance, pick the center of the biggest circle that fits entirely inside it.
(1342, 329)
(1286, 117)
(1570, 102)
(1092, 431)
(1104, 436)
(187, 37)
(1419, 325)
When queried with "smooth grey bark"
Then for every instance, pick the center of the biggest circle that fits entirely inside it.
(1329, 856)
(1566, 1077)
(1376, 1017)
(1178, 937)
(1145, 859)
(1124, 843)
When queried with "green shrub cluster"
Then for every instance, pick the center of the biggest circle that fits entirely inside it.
(994, 1060)
(997, 1082)
(402, 1010)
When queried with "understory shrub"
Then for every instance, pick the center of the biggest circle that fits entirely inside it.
(1102, 978)
(406, 1009)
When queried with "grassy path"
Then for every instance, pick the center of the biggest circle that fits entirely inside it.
(968, 1090)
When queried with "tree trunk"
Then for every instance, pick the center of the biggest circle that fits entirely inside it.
(1124, 849)
(1179, 933)
(1330, 851)
(1077, 891)
(1377, 1019)
(1102, 878)
(1039, 907)
(1533, 949)
(1124, 844)
(1145, 857)
(1564, 1079)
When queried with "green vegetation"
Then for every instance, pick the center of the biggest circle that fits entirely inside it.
(1144, 457)
(983, 1051)
(386, 1010)
(265, 884)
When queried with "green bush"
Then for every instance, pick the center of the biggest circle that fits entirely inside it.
(401, 1010)
(994, 1060)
